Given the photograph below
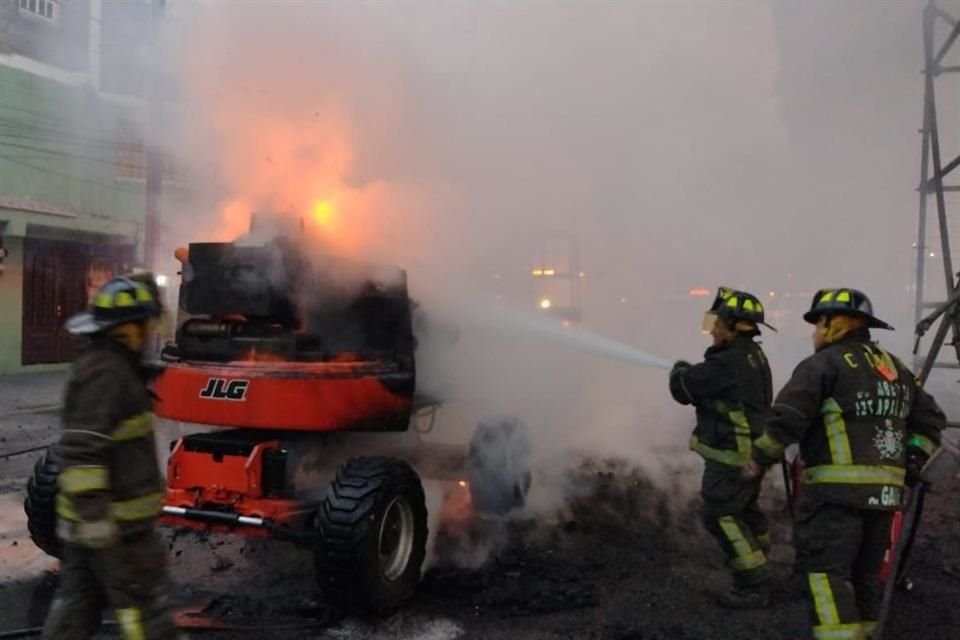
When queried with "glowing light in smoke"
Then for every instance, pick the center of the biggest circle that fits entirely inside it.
(462, 483)
(545, 303)
(699, 292)
(161, 281)
(323, 212)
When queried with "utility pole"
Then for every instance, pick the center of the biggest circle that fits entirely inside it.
(153, 153)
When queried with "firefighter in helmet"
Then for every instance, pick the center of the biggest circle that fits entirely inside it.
(731, 390)
(110, 482)
(865, 428)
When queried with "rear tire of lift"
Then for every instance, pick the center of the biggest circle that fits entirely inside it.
(40, 505)
(498, 466)
(371, 536)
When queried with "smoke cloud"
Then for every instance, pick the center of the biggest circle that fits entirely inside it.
(765, 145)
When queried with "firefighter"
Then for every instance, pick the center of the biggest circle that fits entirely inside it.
(865, 427)
(110, 482)
(731, 390)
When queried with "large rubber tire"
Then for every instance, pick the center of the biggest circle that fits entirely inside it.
(40, 505)
(498, 466)
(371, 536)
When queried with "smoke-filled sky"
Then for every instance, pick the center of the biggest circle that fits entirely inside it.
(767, 145)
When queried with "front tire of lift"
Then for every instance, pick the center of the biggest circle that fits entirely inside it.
(371, 536)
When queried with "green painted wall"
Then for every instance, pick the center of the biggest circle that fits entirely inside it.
(11, 298)
(58, 146)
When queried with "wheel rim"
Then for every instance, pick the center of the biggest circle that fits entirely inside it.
(395, 542)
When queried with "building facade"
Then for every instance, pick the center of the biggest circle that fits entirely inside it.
(72, 164)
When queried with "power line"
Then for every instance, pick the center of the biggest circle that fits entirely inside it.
(13, 131)
(18, 160)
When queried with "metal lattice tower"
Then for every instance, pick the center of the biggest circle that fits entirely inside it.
(933, 173)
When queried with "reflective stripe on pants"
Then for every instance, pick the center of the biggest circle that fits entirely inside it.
(747, 557)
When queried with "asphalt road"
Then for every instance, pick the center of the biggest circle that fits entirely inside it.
(621, 557)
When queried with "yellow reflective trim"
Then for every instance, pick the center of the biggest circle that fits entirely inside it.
(138, 426)
(141, 508)
(768, 445)
(103, 300)
(732, 530)
(823, 601)
(852, 631)
(854, 474)
(723, 456)
(923, 443)
(836, 432)
(843, 296)
(747, 557)
(827, 296)
(732, 302)
(750, 561)
(65, 509)
(131, 623)
(83, 478)
(741, 430)
(143, 295)
(124, 299)
(748, 305)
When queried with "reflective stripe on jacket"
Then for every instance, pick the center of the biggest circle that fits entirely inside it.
(109, 458)
(855, 410)
(731, 390)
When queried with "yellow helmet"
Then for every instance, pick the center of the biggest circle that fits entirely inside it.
(123, 299)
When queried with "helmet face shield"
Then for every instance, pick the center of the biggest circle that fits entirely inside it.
(709, 319)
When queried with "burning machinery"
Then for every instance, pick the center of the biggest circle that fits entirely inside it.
(306, 369)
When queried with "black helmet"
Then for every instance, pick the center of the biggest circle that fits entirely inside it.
(738, 305)
(849, 302)
(123, 299)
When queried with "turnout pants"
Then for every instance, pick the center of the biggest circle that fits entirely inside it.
(841, 550)
(732, 516)
(130, 578)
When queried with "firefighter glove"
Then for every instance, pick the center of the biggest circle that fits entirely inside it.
(752, 470)
(98, 534)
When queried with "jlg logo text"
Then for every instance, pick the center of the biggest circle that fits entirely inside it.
(223, 389)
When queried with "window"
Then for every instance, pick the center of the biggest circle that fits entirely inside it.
(48, 9)
(131, 157)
